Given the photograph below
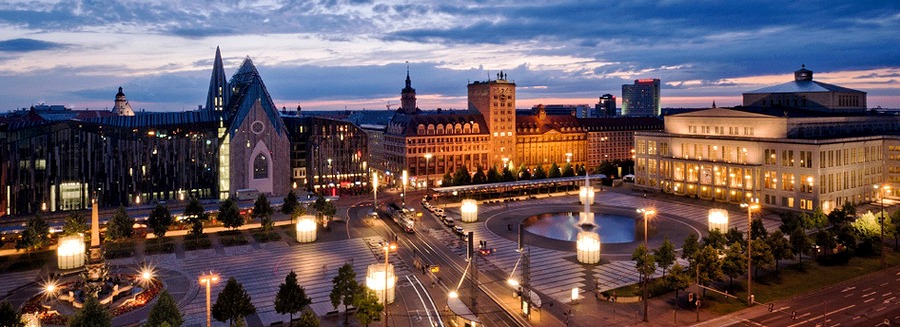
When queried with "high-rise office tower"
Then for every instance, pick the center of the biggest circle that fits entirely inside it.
(606, 107)
(641, 98)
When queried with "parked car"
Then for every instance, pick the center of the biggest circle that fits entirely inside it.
(458, 230)
(438, 210)
(449, 221)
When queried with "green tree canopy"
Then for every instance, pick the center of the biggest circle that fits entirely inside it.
(524, 175)
(761, 256)
(507, 175)
(758, 230)
(710, 268)
(665, 255)
(539, 172)
(447, 180)
(799, 242)
(734, 235)
(462, 176)
(75, 223)
(734, 263)
(233, 303)
(690, 248)
(678, 278)
(289, 203)
(568, 170)
(308, 319)
(291, 297)
(715, 239)
(345, 287)
(35, 234)
(159, 220)
(9, 316)
(92, 314)
(479, 177)
(165, 311)
(120, 226)
(554, 171)
(263, 211)
(581, 171)
(645, 264)
(781, 247)
(195, 214)
(869, 224)
(229, 214)
(367, 306)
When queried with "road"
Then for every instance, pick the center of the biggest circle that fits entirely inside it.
(871, 300)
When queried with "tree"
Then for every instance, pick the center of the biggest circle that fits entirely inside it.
(75, 223)
(9, 316)
(825, 239)
(869, 224)
(734, 263)
(493, 176)
(447, 180)
(690, 248)
(894, 228)
(843, 215)
(345, 287)
(92, 314)
(507, 175)
(761, 256)
(817, 220)
(328, 210)
(607, 168)
(715, 239)
(479, 177)
(308, 319)
(678, 278)
(120, 226)
(233, 303)
(524, 175)
(165, 311)
(291, 297)
(196, 215)
(367, 306)
(665, 255)
(708, 264)
(462, 176)
(159, 220)
(554, 171)
(229, 214)
(290, 203)
(645, 265)
(568, 171)
(263, 211)
(539, 172)
(581, 171)
(35, 234)
(757, 229)
(799, 242)
(781, 248)
(734, 235)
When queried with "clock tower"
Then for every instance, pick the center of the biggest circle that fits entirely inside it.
(496, 101)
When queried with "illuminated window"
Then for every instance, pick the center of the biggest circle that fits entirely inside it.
(260, 167)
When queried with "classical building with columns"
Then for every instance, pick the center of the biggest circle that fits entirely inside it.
(794, 158)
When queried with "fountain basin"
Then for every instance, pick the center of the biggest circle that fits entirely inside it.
(564, 226)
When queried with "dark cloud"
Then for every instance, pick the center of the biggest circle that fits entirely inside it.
(28, 45)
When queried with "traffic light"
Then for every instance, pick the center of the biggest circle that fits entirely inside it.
(793, 315)
(771, 307)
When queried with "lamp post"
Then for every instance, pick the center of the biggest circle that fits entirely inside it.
(568, 157)
(387, 247)
(404, 180)
(647, 213)
(206, 280)
(427, 158)
(883, 189)
(375, 192)
(750, 207)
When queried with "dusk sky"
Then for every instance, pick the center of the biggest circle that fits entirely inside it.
(335, 54)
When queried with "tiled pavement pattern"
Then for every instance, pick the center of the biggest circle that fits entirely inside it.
(554, 273)
(262, 270)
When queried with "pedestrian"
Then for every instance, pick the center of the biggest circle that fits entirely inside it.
(509, 227)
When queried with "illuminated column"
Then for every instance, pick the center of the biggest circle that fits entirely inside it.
(376, 279)
(70, 253)
(586, 195)
(718, 219)
(587, 247)
(469, 211)
(306, 229)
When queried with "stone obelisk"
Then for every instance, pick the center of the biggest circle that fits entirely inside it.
(96, 270)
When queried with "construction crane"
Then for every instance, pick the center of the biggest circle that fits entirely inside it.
(389, 105)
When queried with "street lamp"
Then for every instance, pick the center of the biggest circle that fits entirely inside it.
(883, 189)
(568, 157)
(753, 205)
(375, 192)
(404, 180)
(206, 280)
(647, 213)
(427, 158)
(387, 247)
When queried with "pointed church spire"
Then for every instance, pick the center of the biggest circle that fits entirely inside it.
(408, 82)
(219, 92)
(408, 95)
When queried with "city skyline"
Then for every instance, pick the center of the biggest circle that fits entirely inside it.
(354, 54)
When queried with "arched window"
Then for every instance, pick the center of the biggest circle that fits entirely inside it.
(260, 167)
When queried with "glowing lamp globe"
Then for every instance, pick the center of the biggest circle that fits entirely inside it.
(586, 195)
(718, 219)
(306, 229)
(70, 253)
(376, 279)
(587, 246)
(469, 211)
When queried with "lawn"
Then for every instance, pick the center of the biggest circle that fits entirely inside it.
(262, 237)
(119, 249)
(232, 238)
(160, 245)
(193, 243)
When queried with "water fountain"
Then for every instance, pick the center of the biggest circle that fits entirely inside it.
(587, 244)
